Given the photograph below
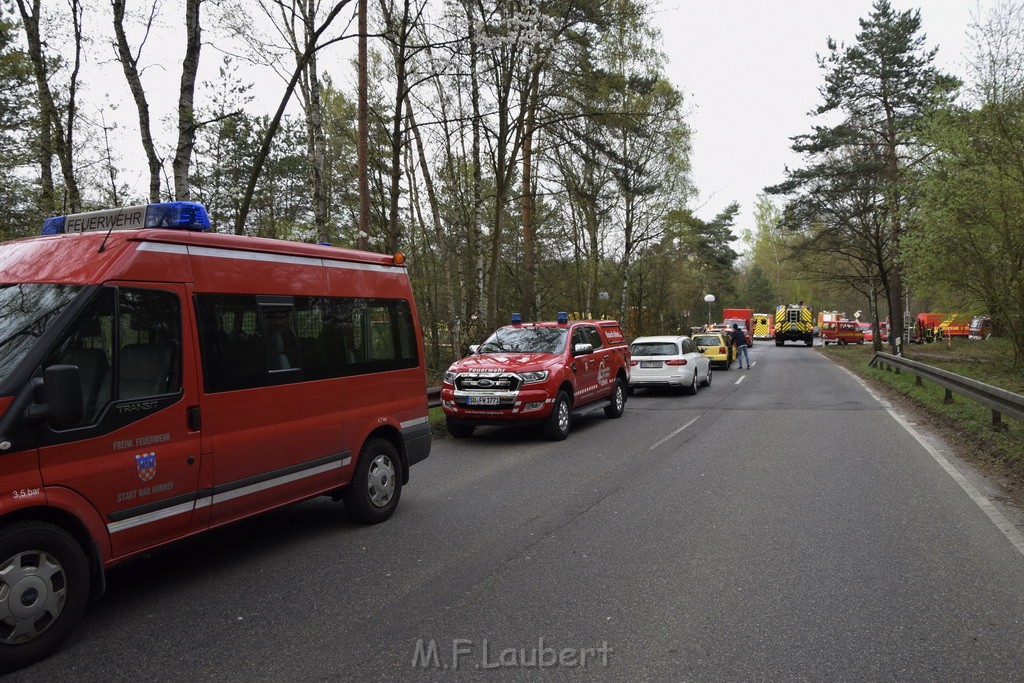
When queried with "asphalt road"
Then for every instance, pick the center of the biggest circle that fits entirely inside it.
(779, 525)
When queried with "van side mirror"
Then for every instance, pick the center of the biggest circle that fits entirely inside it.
(57, 395)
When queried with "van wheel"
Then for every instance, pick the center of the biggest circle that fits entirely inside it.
(44, 585)
(376, 485)
(557, 424)
(617, 404)
(459, 431)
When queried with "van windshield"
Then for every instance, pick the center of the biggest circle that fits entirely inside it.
(525, 340)
(26, 311)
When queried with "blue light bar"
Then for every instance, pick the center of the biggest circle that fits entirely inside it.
(172, 215)
(53, 225)
(178, 216)
(562, 318)
(517, 319)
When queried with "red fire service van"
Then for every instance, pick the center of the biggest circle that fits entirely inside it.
(744, 318)
(157, 380)
(538, 373)
(841, 332)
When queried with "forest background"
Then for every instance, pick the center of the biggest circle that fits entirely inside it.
(532, 155)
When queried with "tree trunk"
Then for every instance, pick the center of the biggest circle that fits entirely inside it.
(476, 250)
(362, 146)
(316, 138)
(529, 243)
(440, 240)
(186, 102)
(398, 32)
(130, 65)
(275, 123)
(55, 139)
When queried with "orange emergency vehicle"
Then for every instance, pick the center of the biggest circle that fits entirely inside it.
(157, 380)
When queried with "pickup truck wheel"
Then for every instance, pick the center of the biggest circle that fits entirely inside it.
(376, 485)
(557, 424)
(459, 431)
(692, 388)
(842, 342)
(44, 585)
(618, 401)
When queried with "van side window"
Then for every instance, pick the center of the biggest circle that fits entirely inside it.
(137, 356)
(282, 345)
(251, 341)
(89, 345)
(149, 337)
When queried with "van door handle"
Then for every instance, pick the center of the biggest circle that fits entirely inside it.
(194, 419)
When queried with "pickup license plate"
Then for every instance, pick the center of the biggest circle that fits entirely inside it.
(483, 400)
(650, 363)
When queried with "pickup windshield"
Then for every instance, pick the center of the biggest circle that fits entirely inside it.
(26, 311)
(525, 340)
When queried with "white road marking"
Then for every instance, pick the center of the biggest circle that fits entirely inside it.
(1004, 525)
(675, 432)
(742, 377)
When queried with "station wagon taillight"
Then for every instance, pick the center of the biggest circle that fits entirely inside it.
(676, 361)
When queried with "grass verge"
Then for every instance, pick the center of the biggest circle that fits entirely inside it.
(437, 424)
(964, 424)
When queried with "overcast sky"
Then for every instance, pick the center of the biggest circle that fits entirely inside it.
(748, 71)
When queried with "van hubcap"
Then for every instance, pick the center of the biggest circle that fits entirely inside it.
(32, 594)
(381, 480)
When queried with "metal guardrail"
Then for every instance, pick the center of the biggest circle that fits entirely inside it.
(999, 401)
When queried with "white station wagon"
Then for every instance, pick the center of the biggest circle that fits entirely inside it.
(668, 361)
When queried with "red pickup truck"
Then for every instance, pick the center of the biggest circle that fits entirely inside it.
(538, 373)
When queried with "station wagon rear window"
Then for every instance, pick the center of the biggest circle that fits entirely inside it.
(654, 349)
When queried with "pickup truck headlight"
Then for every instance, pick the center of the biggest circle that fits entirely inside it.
(536, 376)
(449, 377)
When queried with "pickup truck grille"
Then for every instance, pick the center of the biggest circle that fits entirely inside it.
(488, 382)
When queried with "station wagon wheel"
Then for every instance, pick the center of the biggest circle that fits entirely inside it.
(44, 586)
(557, 424)
(376, 485)
(618, 400)
(692, 388)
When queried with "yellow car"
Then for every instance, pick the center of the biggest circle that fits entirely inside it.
(717, 347)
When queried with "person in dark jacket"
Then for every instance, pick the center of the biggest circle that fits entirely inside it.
(739, 340)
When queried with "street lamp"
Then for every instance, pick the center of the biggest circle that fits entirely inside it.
(709, 298)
